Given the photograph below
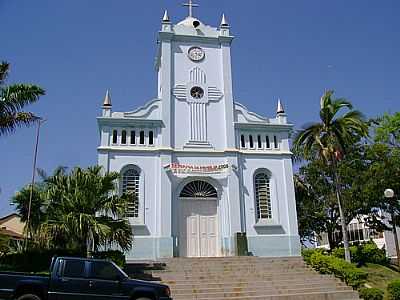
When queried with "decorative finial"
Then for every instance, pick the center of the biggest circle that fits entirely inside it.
(280, 109)
(190, 5)
(166, 17)
(224, 22)
(107, 99)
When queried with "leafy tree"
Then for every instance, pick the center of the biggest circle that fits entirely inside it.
(317, 206)
(388, 130)
(13, 98)
(330, 140)
(383, 173)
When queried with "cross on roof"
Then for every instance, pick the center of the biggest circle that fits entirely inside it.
(190, 5)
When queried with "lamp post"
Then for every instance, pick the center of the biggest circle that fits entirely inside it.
(389, 194)
(40, 121)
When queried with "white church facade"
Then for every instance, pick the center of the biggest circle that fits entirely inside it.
(199, 166)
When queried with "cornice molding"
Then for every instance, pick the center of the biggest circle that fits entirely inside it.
(144, 149)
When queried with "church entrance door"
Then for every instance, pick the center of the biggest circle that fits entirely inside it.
(199, 221)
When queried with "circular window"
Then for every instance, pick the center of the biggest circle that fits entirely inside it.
(197, 92)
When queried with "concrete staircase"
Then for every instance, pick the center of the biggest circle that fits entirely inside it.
(245, 278)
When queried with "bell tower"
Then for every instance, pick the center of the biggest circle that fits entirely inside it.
(195, 84)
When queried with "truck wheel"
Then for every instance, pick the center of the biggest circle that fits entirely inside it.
(28, 297)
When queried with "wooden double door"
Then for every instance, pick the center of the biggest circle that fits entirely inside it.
(198, 227)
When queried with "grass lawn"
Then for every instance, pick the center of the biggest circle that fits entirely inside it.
(379, 276)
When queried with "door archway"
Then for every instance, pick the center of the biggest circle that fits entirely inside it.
(198, 232)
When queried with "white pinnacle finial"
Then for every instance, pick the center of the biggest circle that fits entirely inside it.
(107, 99)
(280, 109)
(224, 22)
(166, 17)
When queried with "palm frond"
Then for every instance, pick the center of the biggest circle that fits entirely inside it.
(10, 122)
(4, 68)
(16, 97)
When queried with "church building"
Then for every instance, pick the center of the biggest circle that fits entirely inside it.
(198, 166)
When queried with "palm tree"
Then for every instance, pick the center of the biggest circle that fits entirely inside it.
(21, 201)
(84, 212)
(330, 140)
(13, 98)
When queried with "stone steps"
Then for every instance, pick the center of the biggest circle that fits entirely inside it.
(252, 285)
(245, 278)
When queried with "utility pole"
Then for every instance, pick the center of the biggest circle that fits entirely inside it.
(40, 121)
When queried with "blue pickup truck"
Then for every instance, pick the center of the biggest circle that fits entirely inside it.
(80, 279)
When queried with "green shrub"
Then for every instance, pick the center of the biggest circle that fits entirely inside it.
(371, 294)
(306, 253)
(347, 272)
(116, 256)
(393, 290)
(364, 253)
(374, 255)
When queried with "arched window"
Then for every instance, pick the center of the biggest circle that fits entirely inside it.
(268, 143)
(276, 142)
(259, 142)
(133, 137)
(263, 196)
(123, 137)
(198, 189)
(251, 141)
(242, 141)
(130, 187)
(151, 137)
(115, 137)
(141, 137)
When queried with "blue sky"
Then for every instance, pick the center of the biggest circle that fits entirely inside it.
(292, 49)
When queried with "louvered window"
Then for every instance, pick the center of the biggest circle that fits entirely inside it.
(263, 196)
(130, 187)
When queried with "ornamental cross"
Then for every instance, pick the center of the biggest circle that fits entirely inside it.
(190, 5)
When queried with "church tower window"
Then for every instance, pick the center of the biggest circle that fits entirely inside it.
(130, 187)
(242, 141)
(151, 137)
(259, 143)
(276, 142)
(141, 138)
(115, 137)
(263, 196)
(123, 137)
(133, 137)
(251, 141)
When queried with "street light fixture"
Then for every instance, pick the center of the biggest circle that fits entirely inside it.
(389, 194)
